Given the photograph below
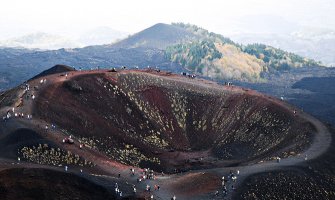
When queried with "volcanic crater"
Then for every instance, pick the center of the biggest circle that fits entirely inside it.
(170, 122)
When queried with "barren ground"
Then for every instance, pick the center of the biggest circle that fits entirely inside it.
(194, 130)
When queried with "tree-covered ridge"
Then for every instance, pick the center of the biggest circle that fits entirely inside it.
(277, 59)
(217, 60)
(194, 55)
(205, 34)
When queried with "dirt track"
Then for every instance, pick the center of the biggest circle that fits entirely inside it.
(110, 169)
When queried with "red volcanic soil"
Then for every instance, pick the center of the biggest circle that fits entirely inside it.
(194, 184)
(169, 122)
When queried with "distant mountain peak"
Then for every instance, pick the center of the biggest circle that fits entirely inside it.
(40, 40)
(157, 36)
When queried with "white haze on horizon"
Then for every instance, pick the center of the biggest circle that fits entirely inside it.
(70, 18)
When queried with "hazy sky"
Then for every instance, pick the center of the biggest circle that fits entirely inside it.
(18, 17)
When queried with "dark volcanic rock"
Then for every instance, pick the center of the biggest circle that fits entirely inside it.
(285, 184)
(313, 180)
(54, 70)
(43, 184)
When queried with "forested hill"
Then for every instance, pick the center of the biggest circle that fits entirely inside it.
(217, 56)
(278, 59)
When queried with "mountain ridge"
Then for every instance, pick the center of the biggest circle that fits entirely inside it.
(146, 48)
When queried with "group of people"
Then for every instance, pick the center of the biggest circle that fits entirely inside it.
(188, 75)
(42, 81)
(147, 173)
(118, 191)
(228, 83)
(231, 177)
(278, 159)
(12, 112)
(32, 96)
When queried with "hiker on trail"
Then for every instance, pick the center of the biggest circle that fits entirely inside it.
(120, 193)
(18, 159)
(174, 197)
(222, 178)
(238, 172)
(132, 171)
(231, 176)
(116, 185)
(134, 189)
(278, 159)
(66, 168)
(223, 183)
(306, 157)
(148, 188)
(119, 175)
(225, 189)
(13, 109)
(152, 197)
(234, 178)
(46, 128)
(216, 193)
(8, 115)
(158, 187)
(26, 87)
(33, 97)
